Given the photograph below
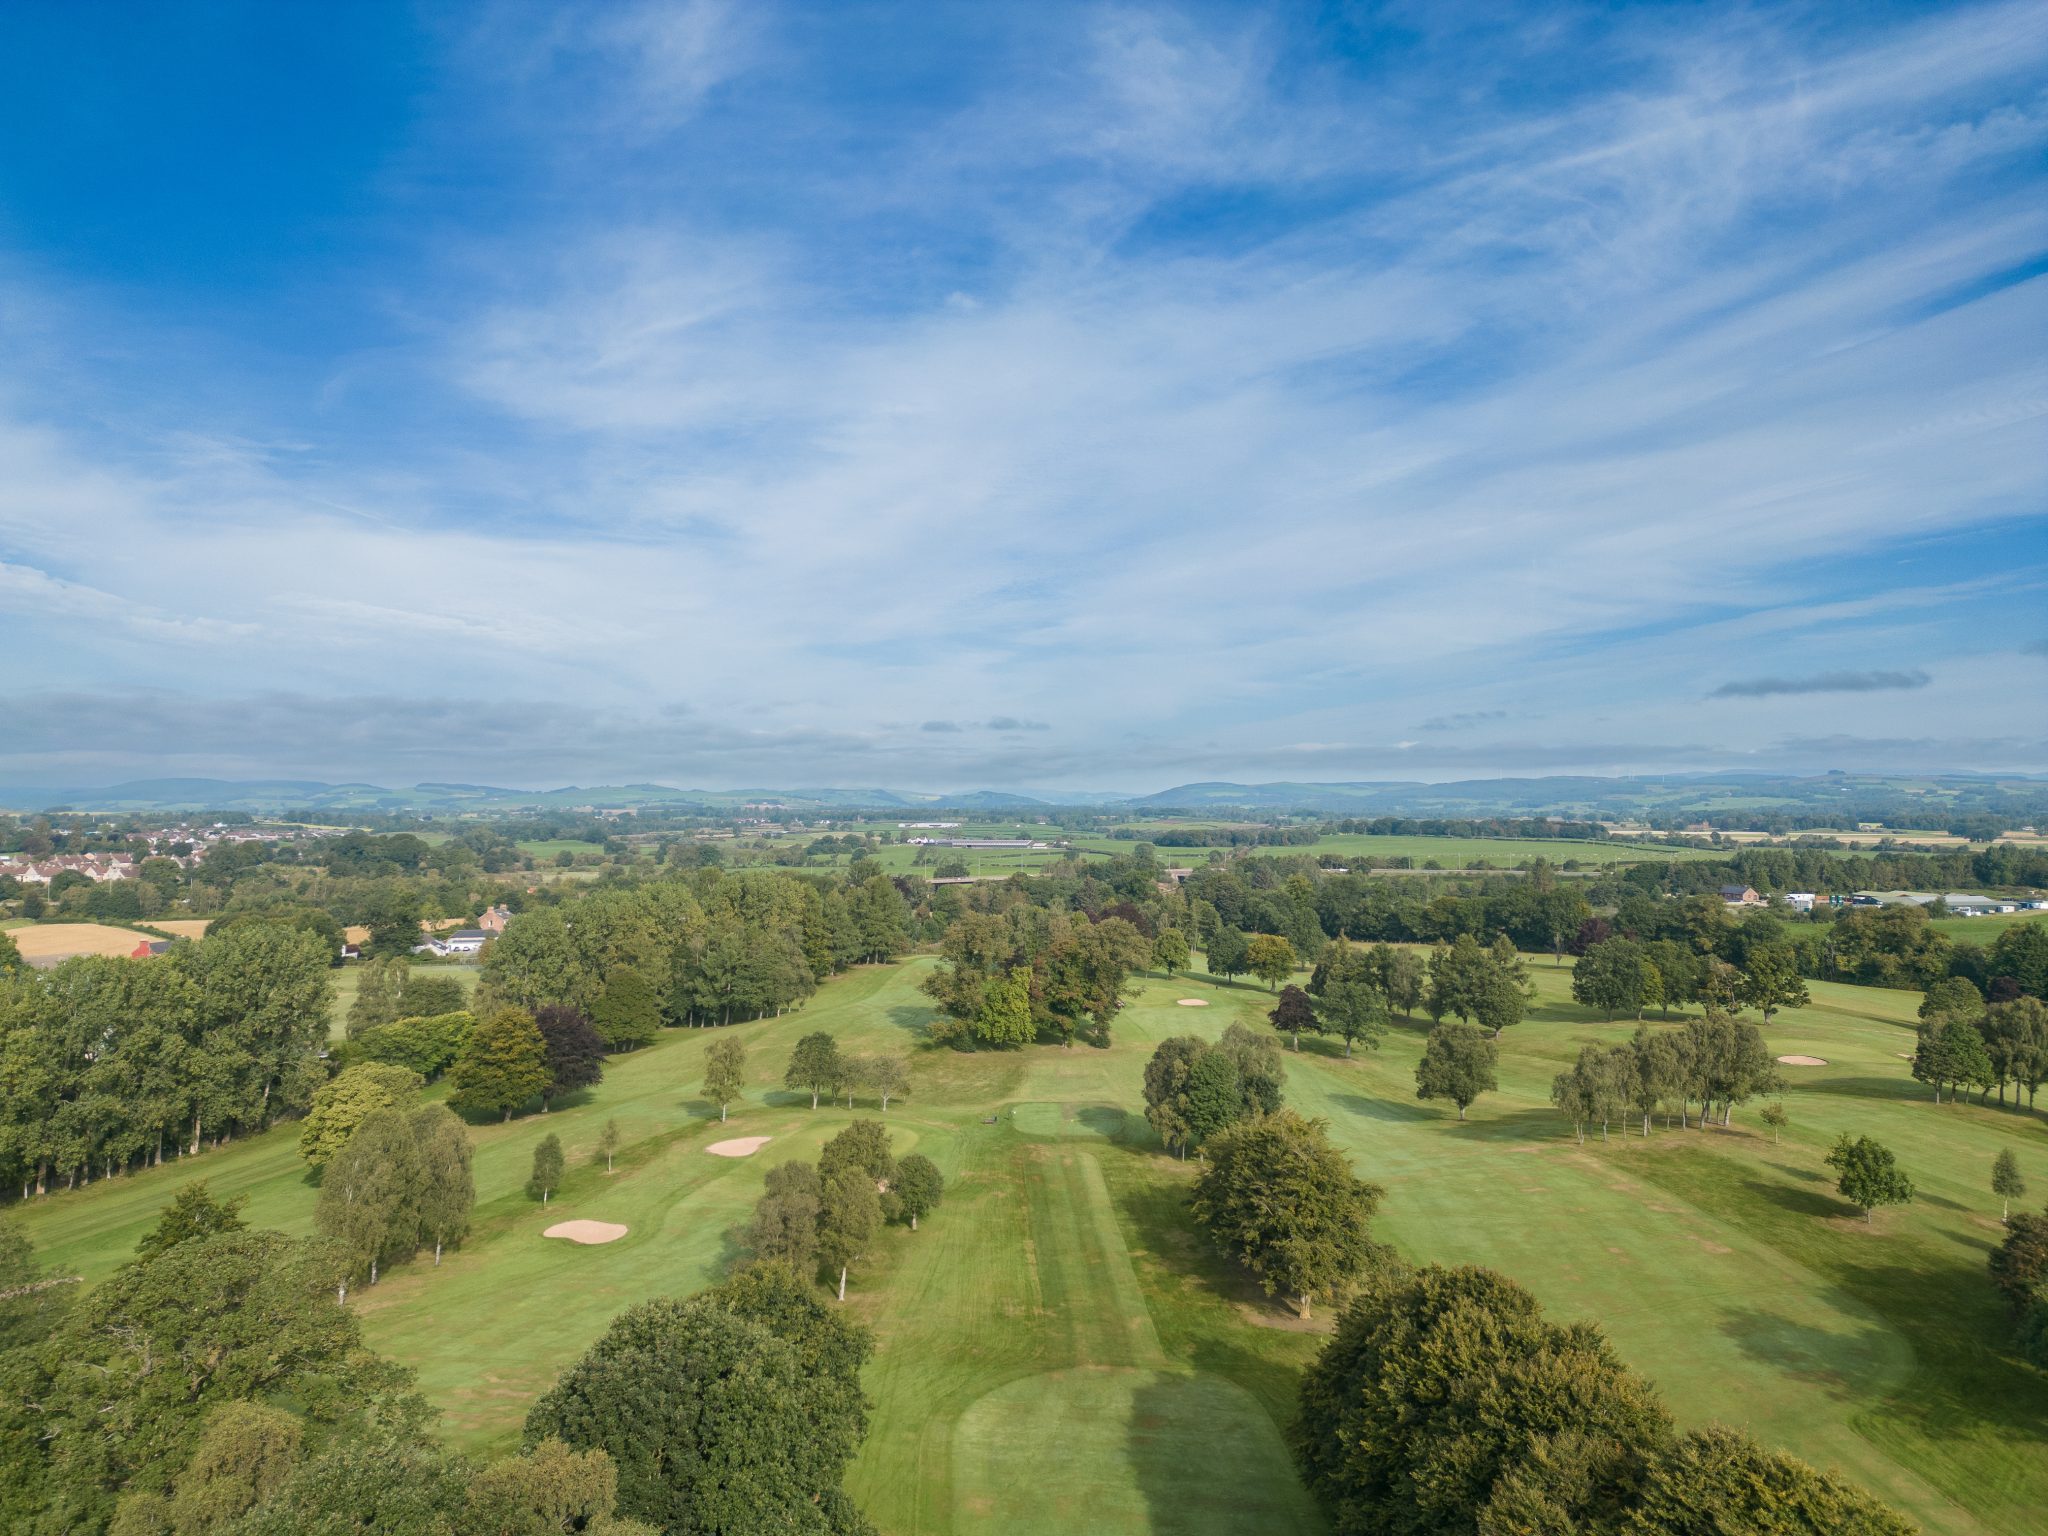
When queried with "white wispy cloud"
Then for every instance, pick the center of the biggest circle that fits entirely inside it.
(985, 415)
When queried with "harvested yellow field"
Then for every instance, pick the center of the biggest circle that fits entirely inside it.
(183, 927)
(355, 933)
(47, 943)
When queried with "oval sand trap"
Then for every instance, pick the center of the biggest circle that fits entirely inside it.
(1804, 1061)
(1193, 1002)
(587, 1231)
(739, 1146)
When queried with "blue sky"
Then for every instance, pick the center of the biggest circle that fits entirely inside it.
(1038, 395)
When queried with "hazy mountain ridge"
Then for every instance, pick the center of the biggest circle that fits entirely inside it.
(1900, 801)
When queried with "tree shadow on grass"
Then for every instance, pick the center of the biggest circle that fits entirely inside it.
(1392, 1111)
(1801, 1202)
(1848, 1368)
(1517, 1125)
(1888, 1089)
(1105, 1120)
(912, 1019)
(1809, 1175)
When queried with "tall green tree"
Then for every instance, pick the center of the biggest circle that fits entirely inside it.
(784, 1227)
(503, 1065)
(917, 1189)
(1457, 1064)
(447, 1189)
(380, 990)
(849, 1211)
(1170, 950)
(1284, 1202)
(716, 1421)
(369, 1203)
(354, 1095)
(1446, 1400)
(123, 1389)
(862, 1146)
(1004, 1016)
(1716, 1480)
(2007, 1182)
(1771, 980)
(627, 1013)
(725, 1073)
(192, 1212)
(548, 1163)
(1227, 952)
(1869, 1175)
(1270, 958)
(815, 1066)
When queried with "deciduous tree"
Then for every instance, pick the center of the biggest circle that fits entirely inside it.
(1294, 1012)
(1869, 1175)
(815, 1066)
(1284, 1202)
(575, 1053)
(347, 1101)
(1457, 1064)
(1269, 957)
(548, 1163)
(917, 1188)
(725, 1073)
(503, 1065)
(2007, 1182)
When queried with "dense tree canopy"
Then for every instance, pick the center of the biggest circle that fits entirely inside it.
(721, 1414)
(1284, 1202)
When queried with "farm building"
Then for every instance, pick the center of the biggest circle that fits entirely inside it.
(1741, 896)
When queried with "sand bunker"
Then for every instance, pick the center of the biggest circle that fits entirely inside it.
(739, 1146)
(587, 1231)
(1803, 1061)
(1193, 1002)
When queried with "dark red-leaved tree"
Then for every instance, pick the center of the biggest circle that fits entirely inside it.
(575, 1052)
(1594, 930)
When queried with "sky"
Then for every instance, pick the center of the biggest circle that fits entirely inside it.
(1021, 395)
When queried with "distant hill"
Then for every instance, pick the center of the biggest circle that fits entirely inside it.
(2016, 799)
(989, 799)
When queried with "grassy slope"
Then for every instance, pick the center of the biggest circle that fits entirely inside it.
(1057, 1350)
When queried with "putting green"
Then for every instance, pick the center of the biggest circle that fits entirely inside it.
(1124, 1450)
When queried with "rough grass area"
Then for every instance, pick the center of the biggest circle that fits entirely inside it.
(1057, 1350)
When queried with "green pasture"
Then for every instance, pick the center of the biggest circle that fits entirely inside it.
(1057, 1350)
(349, 979)
(1449, 852)
(1986, 929)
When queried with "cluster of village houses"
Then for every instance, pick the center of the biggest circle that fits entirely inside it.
(125, 864)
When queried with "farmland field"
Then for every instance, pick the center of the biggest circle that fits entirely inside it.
(1450, 852)
(1986, 929)
(47, 943)
(1058, 1315)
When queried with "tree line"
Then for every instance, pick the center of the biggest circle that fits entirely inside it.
(108, 1065)
(707, 949)
(1963, 1042)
